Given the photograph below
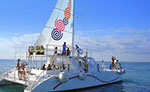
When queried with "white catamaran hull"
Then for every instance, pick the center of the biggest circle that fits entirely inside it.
(75, 82)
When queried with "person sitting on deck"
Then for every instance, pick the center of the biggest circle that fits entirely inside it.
(117, 65)
(49, 67)
(64, 49)
(68, 52)
(43, 67)
(30, 53)
(31, 50)
(55, 67)
(63, 66)
(42, 50)
(37, 50)
(55, 51)
(110, 66)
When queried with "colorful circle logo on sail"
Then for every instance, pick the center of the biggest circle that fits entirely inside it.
(56, 35)
(59, 24)
(67, 13)
(65, 21)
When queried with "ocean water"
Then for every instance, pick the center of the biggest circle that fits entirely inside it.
(136, 79)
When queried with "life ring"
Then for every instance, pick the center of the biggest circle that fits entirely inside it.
(63, 77)
(121, 71)
(82, 76)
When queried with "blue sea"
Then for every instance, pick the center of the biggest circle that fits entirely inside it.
(136, 79)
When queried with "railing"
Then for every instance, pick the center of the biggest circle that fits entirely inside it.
(11, 74)
(23, 53)
(4, 69)
(37, 80)
(5, 74)
(50, 50)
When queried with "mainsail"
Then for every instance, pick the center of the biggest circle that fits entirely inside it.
(59, 28)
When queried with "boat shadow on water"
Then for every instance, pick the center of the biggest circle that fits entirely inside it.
(114, 87)
(6, 86)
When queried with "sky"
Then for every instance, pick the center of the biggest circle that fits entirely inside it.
(119, 28)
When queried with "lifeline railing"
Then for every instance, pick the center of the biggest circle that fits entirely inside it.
(5, 74)
(22, 52)
(38, 79)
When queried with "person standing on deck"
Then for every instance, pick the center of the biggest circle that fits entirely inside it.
(18, 67)
(117, 65)
(79, 51)
(85, 59)
(113, 62)
(23, 67)
(68, 52)
(64, 49)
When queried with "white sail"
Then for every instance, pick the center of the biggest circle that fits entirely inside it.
(59, 28)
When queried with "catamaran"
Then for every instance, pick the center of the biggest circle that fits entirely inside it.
(49, 69)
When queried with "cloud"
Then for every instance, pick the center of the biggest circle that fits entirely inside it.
(125, 48)
(131, 31)
(8, 45)
(130, 48)
(1, 39)
(25, 40)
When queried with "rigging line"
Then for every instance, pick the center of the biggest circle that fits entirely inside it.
(87, 21)
(92, 26)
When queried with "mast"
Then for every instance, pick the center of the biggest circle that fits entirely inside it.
(73, 28)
